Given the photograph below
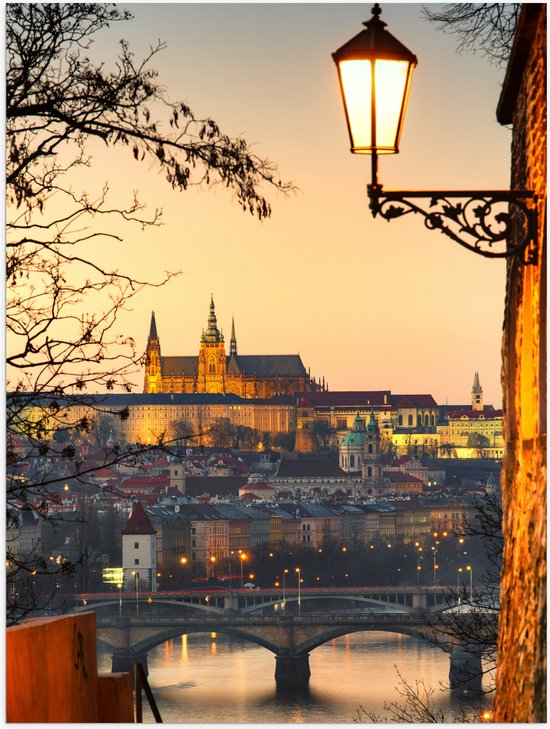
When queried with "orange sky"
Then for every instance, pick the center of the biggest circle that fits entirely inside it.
(368, 304)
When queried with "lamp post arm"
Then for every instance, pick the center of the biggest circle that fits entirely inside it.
(483, 221)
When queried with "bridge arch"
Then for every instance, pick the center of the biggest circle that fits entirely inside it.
(309, 645)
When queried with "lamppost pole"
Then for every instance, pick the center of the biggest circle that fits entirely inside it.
(285, 572)
(299, 571)
(136, 578)
(119, 599)
(470, 570)
(242, 557)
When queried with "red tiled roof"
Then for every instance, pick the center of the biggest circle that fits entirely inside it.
(256, 487)
(414, 401)
(138, 523)
(476, 414)
(364, 398)
(400, 477)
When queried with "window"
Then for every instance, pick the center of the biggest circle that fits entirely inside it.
(369, 471)
(352, 461)
(341, 424)
(400, 420)
(370, 447)
(136, 561)
(136, 545)
(410, 420)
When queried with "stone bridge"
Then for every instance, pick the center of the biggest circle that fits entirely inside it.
(290, 638)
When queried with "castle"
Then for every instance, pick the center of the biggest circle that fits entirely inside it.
(212, 371)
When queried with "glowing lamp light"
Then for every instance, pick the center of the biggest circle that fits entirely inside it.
(374, 70)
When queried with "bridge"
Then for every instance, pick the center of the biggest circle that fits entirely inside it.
(215, 600)
(289, 624)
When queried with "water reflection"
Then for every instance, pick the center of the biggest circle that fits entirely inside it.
(204, 679)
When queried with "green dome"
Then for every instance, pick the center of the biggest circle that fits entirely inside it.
(355, 438)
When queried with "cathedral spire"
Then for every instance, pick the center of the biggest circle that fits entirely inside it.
(233, 342)
(153, 328)
(212, 333)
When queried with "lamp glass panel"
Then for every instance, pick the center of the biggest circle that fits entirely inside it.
(356, 86)
(391, 86)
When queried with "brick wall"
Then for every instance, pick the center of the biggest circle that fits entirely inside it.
(521, 680)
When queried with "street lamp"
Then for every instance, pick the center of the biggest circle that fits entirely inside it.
(213, 566)
(242, 557)
(375, 71)
(299, 572)
(471, 571)
(285, 573)
(119, 599)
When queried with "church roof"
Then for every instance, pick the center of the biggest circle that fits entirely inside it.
(138, 523)
(258, 365)
(309, 468)
(271, 365)
(178, 366)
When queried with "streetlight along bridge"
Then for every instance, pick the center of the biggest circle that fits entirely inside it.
(278, 601)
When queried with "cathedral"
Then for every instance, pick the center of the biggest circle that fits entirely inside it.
(213, 371)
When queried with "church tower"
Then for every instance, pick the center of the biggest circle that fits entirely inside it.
(212, 360)
(153, 373)
(372, 465)
(477, 394)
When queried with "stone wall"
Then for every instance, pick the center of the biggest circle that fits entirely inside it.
(521, 680)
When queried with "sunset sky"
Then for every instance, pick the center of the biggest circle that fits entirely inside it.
(367, 304)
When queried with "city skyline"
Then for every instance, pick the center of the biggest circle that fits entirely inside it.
(367, 305)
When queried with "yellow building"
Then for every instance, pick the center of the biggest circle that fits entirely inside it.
(472, 434)
(150, 417)
(212, 371)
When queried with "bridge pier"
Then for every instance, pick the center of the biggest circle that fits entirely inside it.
(292, 668)
(466, 672)
(124, 659)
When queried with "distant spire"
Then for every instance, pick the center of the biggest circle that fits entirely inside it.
(233, 342)
(153, 328)
(477, 394)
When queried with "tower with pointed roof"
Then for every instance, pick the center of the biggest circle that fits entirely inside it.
(372, 459)
(153, 371)
(477, 394)
(212, 360)
(139, 552)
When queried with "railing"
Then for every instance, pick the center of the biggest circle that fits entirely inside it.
(141, 683)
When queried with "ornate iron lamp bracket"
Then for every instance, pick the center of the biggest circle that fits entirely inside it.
(486, 222)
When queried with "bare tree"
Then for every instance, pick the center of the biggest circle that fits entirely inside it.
(487, 28)
(62, 300)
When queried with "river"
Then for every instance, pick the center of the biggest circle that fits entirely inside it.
(212, 678)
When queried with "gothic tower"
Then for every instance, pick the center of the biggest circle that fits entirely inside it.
(477, 394)
(212, 360)
(153, 375)
(233, 342)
